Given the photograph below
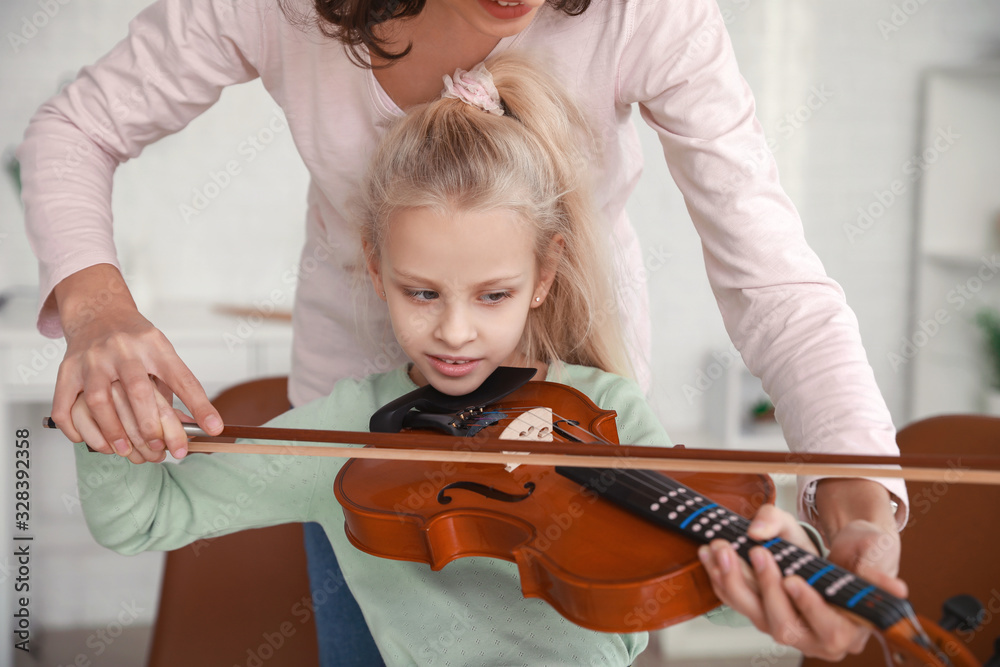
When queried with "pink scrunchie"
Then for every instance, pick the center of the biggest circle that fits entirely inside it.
(474, 87)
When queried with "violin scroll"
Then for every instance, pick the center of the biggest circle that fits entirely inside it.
(919, 642)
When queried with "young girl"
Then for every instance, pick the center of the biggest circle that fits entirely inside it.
(478, 234)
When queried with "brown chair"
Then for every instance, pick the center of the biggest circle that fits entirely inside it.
(240, 599)
(951, 543)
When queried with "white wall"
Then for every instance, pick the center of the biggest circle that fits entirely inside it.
(845, 152)
(236, 248)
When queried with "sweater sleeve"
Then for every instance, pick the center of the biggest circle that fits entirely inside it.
(788, 319)
(172, 66)
(162, 506)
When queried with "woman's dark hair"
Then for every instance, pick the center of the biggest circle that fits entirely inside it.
(352, 22)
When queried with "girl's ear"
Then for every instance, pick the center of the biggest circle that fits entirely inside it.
(547, 272)
(374, 266)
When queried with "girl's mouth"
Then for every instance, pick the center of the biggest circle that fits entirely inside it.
(454, 366)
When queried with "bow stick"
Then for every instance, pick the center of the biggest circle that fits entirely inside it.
(483, 449)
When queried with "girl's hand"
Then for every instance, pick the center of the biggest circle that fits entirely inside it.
(787, 608)
(141, 451)
(110, 343)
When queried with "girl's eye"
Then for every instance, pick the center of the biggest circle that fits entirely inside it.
(495, 297)
(421, 294)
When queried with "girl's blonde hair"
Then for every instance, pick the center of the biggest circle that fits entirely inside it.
(533, 161)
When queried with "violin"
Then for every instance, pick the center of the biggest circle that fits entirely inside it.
(611, 550)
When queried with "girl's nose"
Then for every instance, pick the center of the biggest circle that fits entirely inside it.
(455, 327)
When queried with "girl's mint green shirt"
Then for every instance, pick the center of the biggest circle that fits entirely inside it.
(471, 612)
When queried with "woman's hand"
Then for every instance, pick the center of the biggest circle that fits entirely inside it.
(141, 452)
(109, 342)
(787, 608)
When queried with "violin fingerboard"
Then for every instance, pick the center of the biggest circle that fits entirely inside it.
(675, 506)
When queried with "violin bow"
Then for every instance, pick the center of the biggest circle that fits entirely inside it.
(483, 449)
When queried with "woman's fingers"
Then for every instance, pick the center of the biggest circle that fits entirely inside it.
(141, 450)
(69, 385)
(183, 382)
(139, 394)
(135, 356)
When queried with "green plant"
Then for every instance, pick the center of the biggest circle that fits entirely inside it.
(762, 410)
(988, 320)
(13, 169)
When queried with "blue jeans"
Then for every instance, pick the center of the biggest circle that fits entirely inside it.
(344, 638)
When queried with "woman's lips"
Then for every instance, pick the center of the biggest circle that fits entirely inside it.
(498, 11)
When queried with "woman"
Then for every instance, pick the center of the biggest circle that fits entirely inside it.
(673, 59)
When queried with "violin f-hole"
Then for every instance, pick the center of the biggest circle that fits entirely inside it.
(485, 491)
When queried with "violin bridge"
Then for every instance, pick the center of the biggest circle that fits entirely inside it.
(534, 425)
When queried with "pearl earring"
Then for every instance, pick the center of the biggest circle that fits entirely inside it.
(538, 299)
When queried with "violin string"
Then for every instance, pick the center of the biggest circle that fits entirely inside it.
(808, 566)
(733, 527)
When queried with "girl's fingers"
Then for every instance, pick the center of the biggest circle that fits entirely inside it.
(770, 522)
(782, 617)
(173, 431)
(86, 429)
(731, 581)
(100, 403)
(834, 635)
